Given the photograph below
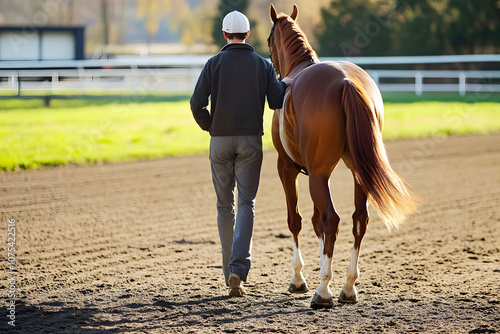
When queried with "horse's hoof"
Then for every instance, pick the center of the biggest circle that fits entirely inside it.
(320, 302)
(301, 289)
(344, 299)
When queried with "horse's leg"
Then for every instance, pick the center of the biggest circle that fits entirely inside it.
(360, 220)
(326, 222)
(288, 175)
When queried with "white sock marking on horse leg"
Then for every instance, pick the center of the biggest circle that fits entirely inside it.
(352, 274)
(353, 270)
(297, 264)
(325, 273)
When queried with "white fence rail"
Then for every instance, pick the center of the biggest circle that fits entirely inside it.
(179, 74)
(461, 81)
(99, 81)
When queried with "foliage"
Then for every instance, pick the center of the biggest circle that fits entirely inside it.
(154, 11)
(349, 29)
(334, 27)
(474, 27)
(409, 27)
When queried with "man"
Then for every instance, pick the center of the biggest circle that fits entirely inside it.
(237, 80)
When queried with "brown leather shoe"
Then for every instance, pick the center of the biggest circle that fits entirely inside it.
(236, 287)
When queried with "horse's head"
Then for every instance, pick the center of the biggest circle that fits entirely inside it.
(272, 40)
(287, 43)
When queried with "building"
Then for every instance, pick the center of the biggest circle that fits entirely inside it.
(41, 43)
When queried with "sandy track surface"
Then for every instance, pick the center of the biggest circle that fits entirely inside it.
(133, 248)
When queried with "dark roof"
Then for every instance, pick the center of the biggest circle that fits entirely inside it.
(35, 28)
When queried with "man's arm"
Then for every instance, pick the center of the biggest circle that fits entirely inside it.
(199, 100)
(275, 90)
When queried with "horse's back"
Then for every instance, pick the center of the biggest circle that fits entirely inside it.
(329, 76)
(324, 82)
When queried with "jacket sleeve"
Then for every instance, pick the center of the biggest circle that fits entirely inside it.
(275, 89)
(199, 100)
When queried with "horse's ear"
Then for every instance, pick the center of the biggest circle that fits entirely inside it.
(295, 12)
(273, 14)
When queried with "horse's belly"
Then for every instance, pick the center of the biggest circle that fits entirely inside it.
(287, 128)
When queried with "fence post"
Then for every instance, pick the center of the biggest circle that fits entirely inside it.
(418, 83)
(136, 80)
(81, 77)
(14, 82)
(55, 81)
(462, 83)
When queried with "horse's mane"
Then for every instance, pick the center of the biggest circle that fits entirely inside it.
(294, 43)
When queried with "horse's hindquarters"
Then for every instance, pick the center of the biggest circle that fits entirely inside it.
(319, 117)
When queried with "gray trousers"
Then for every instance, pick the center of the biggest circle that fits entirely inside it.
(236, 162)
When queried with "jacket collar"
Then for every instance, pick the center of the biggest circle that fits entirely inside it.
(238, 47)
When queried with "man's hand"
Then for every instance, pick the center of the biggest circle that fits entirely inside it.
(288, 81)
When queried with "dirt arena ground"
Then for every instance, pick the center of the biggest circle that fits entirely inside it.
(133, 248)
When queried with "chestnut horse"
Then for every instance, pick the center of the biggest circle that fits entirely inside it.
(332, 111)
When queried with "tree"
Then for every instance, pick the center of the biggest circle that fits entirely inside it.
(409, 27)
(152, 11)
(474, 26)
(105, 22)
(420, 29)
(353, 28)
(176, 13)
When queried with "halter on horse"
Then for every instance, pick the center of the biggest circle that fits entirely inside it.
(332, 111)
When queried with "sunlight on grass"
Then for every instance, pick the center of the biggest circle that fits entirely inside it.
(424, 119)
(93, 131)
(80, 133)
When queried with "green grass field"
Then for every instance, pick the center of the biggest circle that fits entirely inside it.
(92, 131)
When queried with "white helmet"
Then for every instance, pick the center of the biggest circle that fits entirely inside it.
(235, 22)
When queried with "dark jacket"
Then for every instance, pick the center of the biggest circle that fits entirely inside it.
(237, 80)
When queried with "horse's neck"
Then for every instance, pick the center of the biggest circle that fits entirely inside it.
(301, 66)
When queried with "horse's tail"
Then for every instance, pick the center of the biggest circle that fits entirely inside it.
(386, 190)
